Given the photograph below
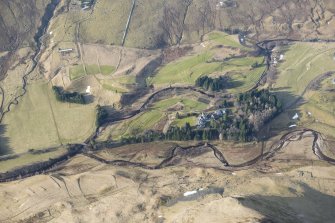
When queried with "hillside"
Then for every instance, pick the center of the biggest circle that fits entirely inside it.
(167, 111)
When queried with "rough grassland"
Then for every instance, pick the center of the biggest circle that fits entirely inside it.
(29, 158)
(40, 121)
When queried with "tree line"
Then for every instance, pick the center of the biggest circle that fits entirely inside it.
(71, 97)
(185, 133)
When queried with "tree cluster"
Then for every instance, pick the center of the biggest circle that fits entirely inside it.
(71, 97)
(253, 110)
(213, 84)
(101, 115)
(259, 107)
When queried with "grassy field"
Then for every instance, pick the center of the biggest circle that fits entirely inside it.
(185, 70)
(246, 80)
(113, 86)
(181, 122)
(303, 63)
(78, 71)
(29, 158)
(40, 121)
(188, 69)
(226, 40)
(156, 113)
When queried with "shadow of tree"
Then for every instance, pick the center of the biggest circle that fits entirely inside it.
(4, 142)
(312, 206)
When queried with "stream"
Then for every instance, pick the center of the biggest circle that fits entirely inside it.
(38, 38)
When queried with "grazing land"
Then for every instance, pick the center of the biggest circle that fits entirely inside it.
(154, 117)
(302, 88)
(40, 121)
(167, 111)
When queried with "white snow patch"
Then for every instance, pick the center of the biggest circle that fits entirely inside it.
(279, 174)
(281, 57)
(88, 89)
(50, 33)
(188, 193)
(292, 126)
(233, 173)
(296, 116)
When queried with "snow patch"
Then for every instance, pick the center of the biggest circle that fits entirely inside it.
(296, 116)
(88, 89)
(188, 193)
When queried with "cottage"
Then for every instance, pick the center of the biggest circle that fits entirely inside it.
(202, 120)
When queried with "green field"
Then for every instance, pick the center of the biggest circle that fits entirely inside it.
(107, 70)
(78, 71)
(188, 69)
(226, 40)
(181, 122)
(113, 86)
(156, 112)
(246, 80)
(185, 71)
(40, 121)
(303, 63)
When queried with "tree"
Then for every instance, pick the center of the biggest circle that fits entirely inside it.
(101, 115)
